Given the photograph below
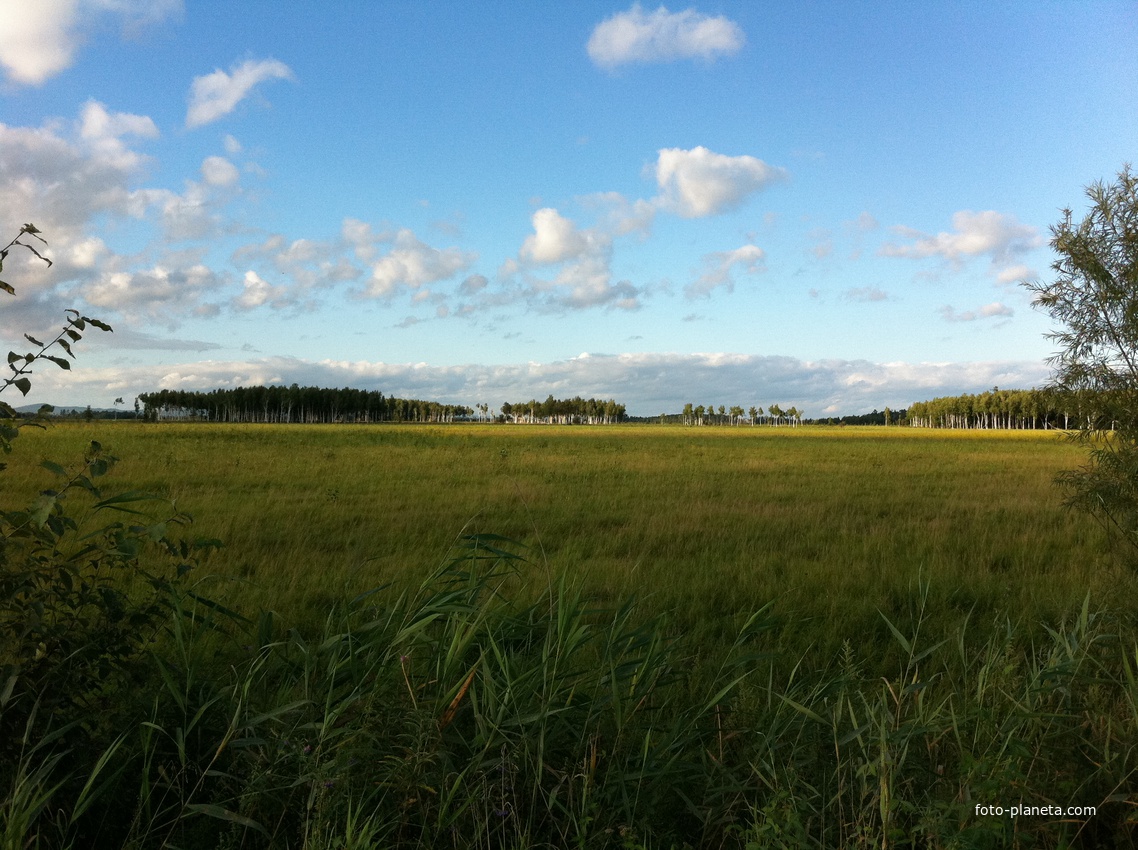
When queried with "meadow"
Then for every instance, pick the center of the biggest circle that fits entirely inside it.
(620, 636)
(828, 524)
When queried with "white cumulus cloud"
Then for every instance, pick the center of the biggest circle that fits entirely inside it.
(162, 293)
(308, 264)
(412, 263)
(219, 171)
(40, 38)
(61, 177)
(256, 291)
(555, 238)
(699, 182)
(584, 278)
(103, 133)
(662, 36)
(215, 95)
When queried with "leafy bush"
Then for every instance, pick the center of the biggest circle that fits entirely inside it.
(80, 597)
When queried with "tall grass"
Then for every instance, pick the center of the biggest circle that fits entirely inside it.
(453, 715)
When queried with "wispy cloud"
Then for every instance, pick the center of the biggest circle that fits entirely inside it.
(127, 339)
(865, 294)
(823, 243)
(864, 223)
(215, 95)
(621, 216)
(995, 310)
(720, 268)
(637, 36)
(998, 236)
(1016, 274)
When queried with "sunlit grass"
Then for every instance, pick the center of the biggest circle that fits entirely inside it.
(830, 524)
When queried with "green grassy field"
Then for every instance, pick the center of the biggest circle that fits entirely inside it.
(828, 524)
(934, 633)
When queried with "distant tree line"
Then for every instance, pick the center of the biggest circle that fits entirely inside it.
(711, 415)
(877, 417)
(996, 408)
(564, 411)
(279, 404)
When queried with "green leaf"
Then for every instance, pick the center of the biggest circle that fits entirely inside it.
(221, 609)
(42, 508)
(66, 346)
(33, 340)
(7, 288)
(85, 482)
(59, 361)
(13, 357)
(90, 794)
(803, 710)
(905, 645)
(30, 228)
(23, 385)
(75, 335)
(52, 466)
(103, 326)
(121, 499)
(9, 686)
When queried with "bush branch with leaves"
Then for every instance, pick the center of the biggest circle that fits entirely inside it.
(79, 597)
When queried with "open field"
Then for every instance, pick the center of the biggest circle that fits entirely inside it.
(941, 636)
(708, 522)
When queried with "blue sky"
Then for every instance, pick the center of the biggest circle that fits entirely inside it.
(827, 205)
